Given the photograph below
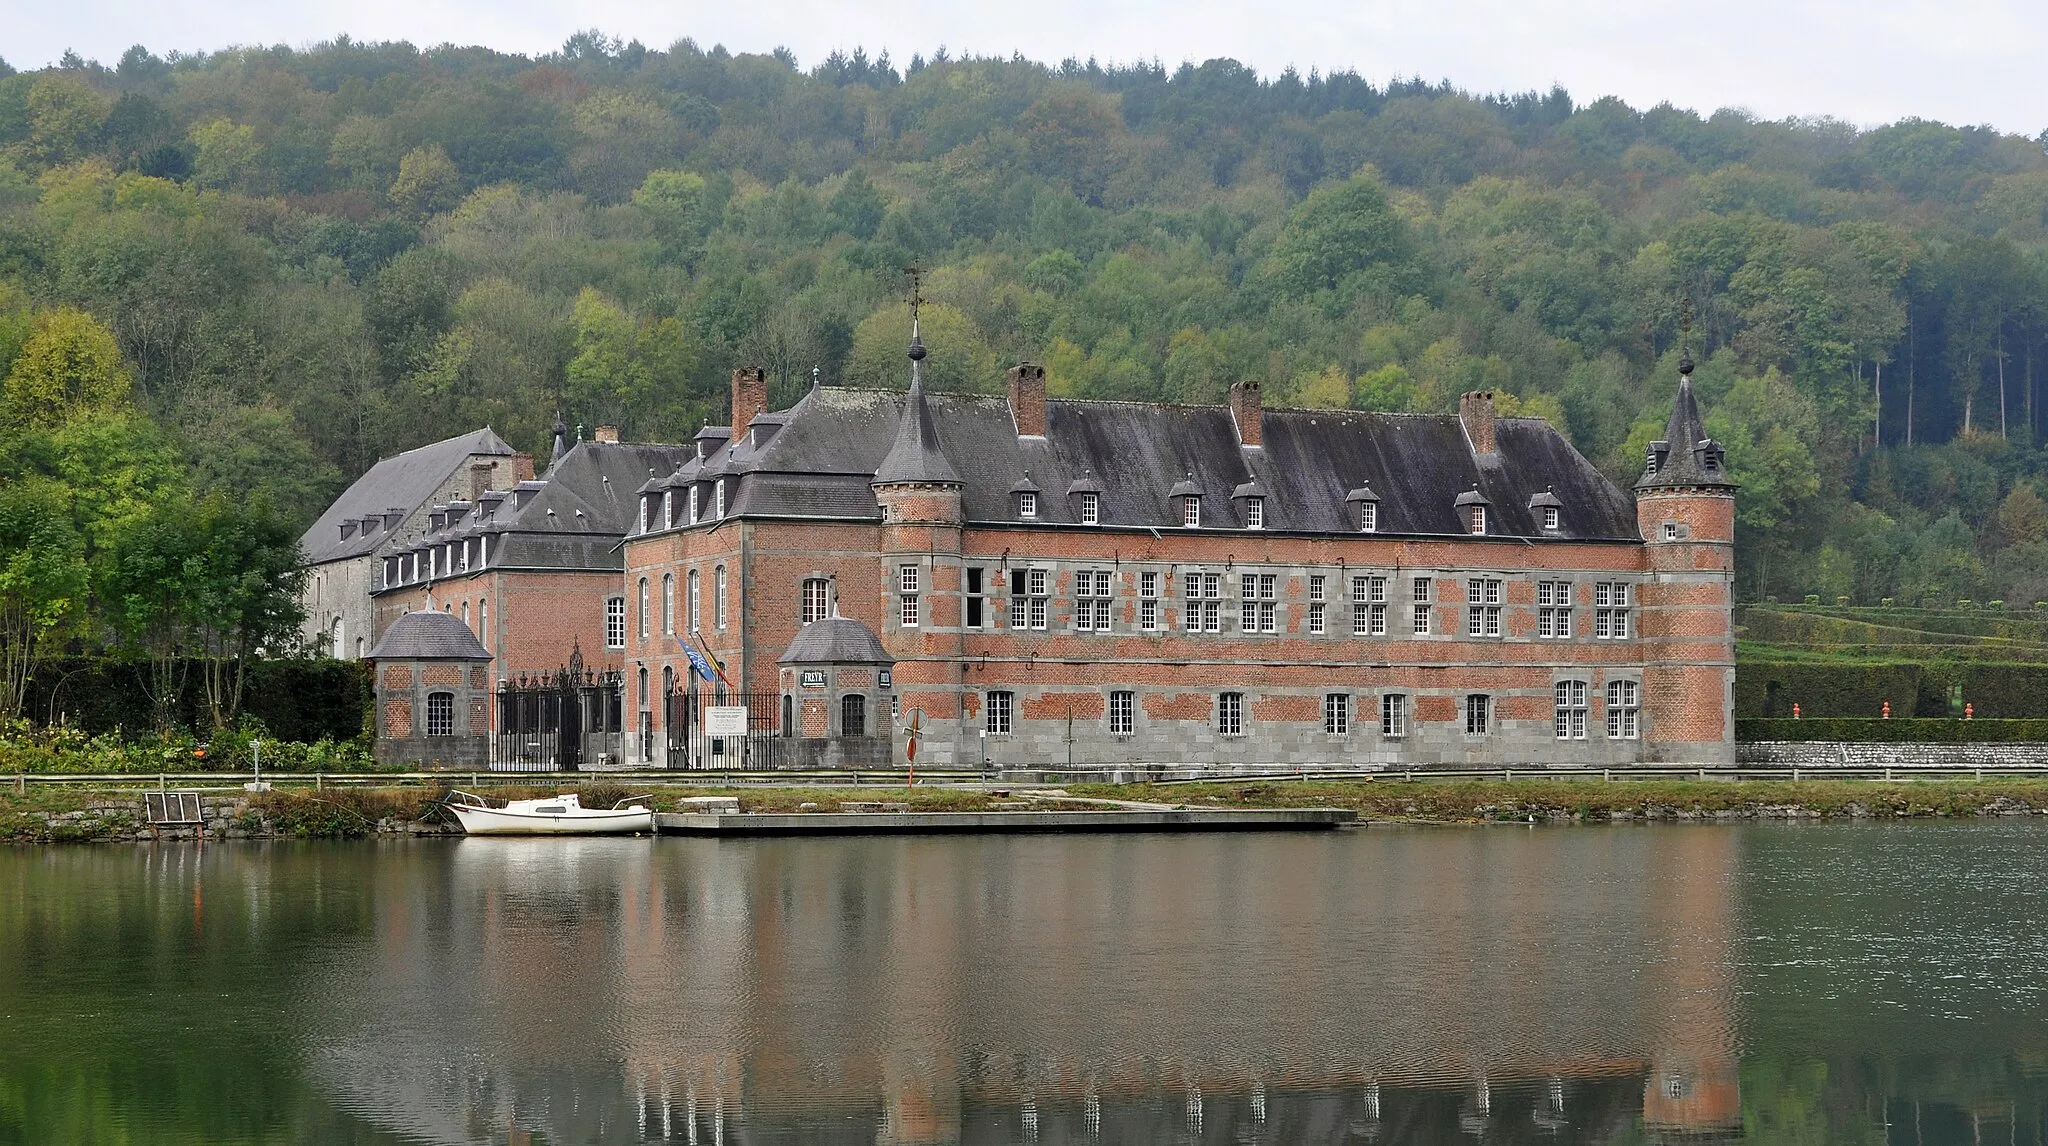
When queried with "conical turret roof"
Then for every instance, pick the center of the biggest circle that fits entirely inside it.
(916, 456)
(1685, 456)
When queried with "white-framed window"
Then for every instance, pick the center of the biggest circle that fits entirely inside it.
(440, 714)
(1368, 517)
(1029, 590)
(1027, 504)
(643, 608)
(1191, 511)
(1091, 600)
(817, 599)
(1203, 611)
(694, 601)
(462, 556)
(1610, 610)
(1570, 721)
(1317, 604)
(1550, 518)
(998, 709)
(1255, 513)
(668, 507)
(1337, 714)
(1422, 591)
(718, 499)
(1122, 713)
(1394, 715)
(1482, 607)
(615, 623)
(1230, 713)
(693, 503)
(1478, 714)
(1091, 508)
(908, 579)
(1369, 606)
(718, 598)
(1148, 601)
(1260, 611)
(1554, 610)
(668, 603)
(1624, 709)
(1670, 531)
(1476, 517)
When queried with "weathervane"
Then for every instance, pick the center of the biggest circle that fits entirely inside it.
(915, 274)
(1685, 335)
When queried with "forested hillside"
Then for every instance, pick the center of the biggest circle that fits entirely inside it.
(282, 264)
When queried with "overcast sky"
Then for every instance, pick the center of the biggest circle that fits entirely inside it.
(1867, 61)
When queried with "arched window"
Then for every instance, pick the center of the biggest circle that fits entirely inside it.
(440, 714)
(718, 598)
(853, 715)
(692, 616)
(668, 603)
(788, 715)
(643, 608)
(643, 686)
(336, 648)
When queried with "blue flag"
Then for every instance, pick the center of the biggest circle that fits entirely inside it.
(697, 662)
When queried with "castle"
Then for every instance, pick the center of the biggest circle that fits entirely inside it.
(1020, 579)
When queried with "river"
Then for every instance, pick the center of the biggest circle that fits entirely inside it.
(1766, 983)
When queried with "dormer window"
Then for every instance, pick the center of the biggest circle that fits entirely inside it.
(1091, 508)
(1368, 517)
(1191, 511)
(718, 499)
(1550, 518)
(1027, 504)
(1255, 513)
(693, 505)
(1477, 517)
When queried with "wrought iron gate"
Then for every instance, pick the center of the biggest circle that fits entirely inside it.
(565, 720)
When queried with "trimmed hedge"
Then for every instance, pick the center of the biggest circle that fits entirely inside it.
(298, 700)
(1895, 731)
(2004, 690)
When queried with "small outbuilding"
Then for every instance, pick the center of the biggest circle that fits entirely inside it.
(837, 710)
(433, 693)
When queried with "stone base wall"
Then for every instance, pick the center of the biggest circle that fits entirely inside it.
(221, 818)
(1824, 754)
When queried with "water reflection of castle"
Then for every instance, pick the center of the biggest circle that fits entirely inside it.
(1406, 986)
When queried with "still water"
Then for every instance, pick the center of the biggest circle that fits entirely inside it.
(1839, 984)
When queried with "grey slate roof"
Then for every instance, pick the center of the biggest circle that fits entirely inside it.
(1685, 449)
(586, 505)
(915, 456)
(836, 641)
(427, 636)
(405, 482)
(822, 462)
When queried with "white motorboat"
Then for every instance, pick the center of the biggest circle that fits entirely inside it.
(553, 816)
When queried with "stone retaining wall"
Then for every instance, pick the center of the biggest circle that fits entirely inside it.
(1824, 754)
(221, 818)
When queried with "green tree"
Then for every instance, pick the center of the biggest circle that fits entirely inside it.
(43, 580)
(69, 367)
(427, 181)
(1346, 238)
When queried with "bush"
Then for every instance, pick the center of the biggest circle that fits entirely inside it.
(1896, 731)
(299, 700)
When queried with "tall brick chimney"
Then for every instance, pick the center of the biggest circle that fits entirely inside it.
(522, 468)
(1248, 409)
(480, 478)
(749, 397)
(1475, 409)
(1027, 399)
(608, 434)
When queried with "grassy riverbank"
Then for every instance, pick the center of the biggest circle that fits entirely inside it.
(51, 814)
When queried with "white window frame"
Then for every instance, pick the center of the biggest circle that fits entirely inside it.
(1368, 517)
(693, 601)
(1092, 596)
(718, 607)
(1337, 714)
(1190, 512)
(1612, 601)
(909, 579)
(1027, 504)
(1148, 601)
(1203, 596)
(1568, 720)
(615, 622)
(1318, 607)
(999, 710)
(643, 608)
(1550, 518)
(668, 604)
(1483, 597)
(1393, 715)
(1123, 705)
(1091, 508)
(1554, 610)
(1255, 513)
(1230, 714)
(1624, 709)
(1478, 519)
(816, 601)
(718, 500)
